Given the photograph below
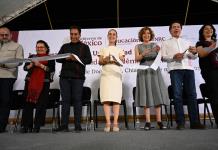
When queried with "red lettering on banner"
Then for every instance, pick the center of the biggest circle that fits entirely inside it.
(14, 35)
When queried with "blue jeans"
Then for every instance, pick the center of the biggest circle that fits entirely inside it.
(184, 80)
(71, 92)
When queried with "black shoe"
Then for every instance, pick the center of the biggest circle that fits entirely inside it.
(78, 129)
(2, 130)
(147, 126)
(161, 126)
(25, 130)
(61, 129)
(197, 126)
(36, 130)
(180, 127)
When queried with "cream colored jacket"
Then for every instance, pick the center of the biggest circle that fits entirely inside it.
(10, 50)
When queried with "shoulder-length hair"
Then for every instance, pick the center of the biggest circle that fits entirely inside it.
(201, 36)
(142, 31)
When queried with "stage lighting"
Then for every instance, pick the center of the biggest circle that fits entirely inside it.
(216, 1)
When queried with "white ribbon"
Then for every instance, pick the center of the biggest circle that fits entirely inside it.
(43, 58)
(117, 60)
(154, 65)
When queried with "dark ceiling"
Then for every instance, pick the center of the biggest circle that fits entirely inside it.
(103, 14)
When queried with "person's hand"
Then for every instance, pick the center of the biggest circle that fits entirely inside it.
(30, 65)
(106, 59)
(213, 45)
(157, 48)
(71, 57)
(193, 50)
(36, 63)
(178, 56)
(145, 52)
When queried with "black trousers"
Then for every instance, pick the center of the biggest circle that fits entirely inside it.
(6, 88)
(71, 93)
(40, 106)
(211, 80)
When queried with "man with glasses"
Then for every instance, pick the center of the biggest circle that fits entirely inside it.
(8, 73)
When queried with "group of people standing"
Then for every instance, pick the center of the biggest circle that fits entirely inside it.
(178, 53)
(38, 79)
(151, 90)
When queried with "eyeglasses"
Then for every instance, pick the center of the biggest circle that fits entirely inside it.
(39, 47)
(4, 35)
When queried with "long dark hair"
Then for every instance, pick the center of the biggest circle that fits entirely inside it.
(201, 36)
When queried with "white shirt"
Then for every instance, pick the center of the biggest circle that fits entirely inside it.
(173, 46)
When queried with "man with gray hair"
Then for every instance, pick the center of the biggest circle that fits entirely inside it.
(8, 73)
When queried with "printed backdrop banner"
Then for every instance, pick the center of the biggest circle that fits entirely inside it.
(96, 39)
